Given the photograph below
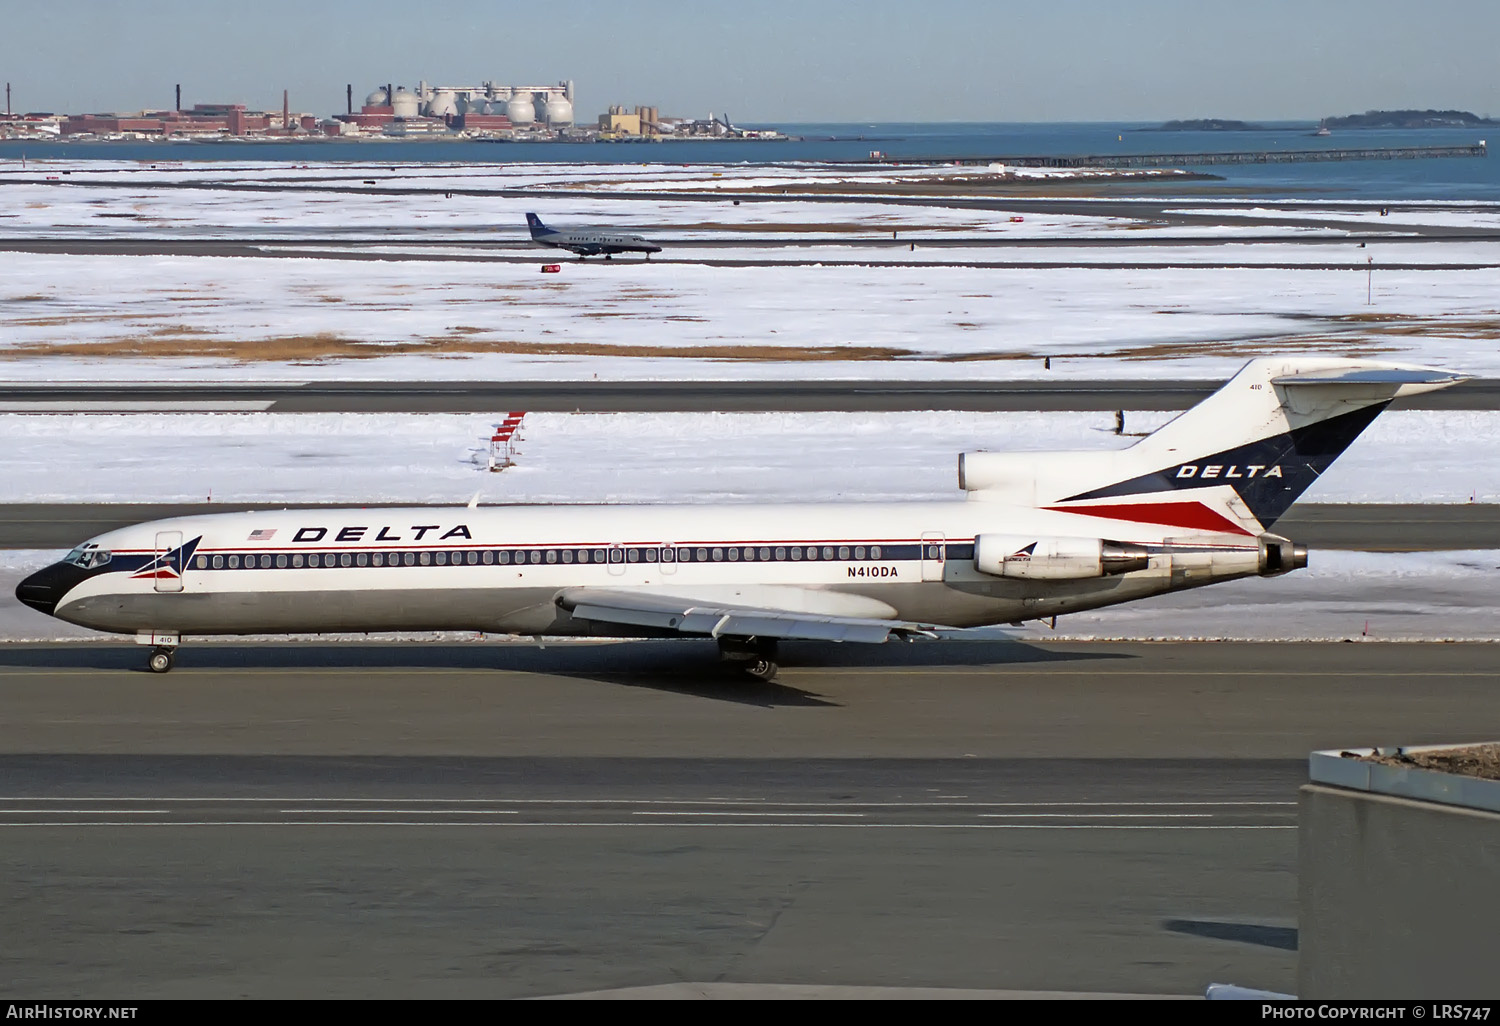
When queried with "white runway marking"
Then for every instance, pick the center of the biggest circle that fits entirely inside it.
(663, 801)
(136, 405)
(636, 812)
(1096, 815)
(404, 812)
(672, 825)
(713, 812)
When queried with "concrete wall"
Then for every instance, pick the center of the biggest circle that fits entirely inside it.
(1397, 898)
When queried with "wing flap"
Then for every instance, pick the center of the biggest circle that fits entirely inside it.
(687, 616)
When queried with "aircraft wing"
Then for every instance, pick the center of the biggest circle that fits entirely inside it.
(715, 619)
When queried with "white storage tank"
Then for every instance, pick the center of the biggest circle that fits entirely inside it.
(559, 111)
(444, 103)
(405, 104)
(521, 109)
(377, 99)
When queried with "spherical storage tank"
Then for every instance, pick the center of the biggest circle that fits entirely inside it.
(377, 99)
(443, 103)
(405, 104)
(521, 110)
(559, 111)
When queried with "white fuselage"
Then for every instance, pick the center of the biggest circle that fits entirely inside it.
(502, 568)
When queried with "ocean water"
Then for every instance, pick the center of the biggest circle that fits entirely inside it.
(1457, 179)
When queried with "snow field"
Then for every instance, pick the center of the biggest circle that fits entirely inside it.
(634, 320)
(638, 457)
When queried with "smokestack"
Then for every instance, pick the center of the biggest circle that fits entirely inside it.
(7, 99)
(349, 97)
(179, 96)
(286, 112)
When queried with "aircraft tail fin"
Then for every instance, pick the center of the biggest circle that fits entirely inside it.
(537, 228)
(1233, 463)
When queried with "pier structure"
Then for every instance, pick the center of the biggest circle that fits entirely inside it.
(1479, 149)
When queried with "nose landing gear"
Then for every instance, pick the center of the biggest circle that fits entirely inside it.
(163, 648)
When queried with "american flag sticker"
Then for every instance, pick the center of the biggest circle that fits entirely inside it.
(262, 535)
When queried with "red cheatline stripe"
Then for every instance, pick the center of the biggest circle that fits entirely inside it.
(1192, 515)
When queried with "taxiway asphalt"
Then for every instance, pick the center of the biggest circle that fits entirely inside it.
(387, 250)
(509, 820)
(729, 396)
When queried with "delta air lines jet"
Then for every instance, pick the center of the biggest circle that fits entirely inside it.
(1036, 535)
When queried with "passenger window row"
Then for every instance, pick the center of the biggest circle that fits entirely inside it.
(613, 554)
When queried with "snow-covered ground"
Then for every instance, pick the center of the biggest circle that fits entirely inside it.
(1422, 596)
(1162, 311)
(188, 318)
(641, 457)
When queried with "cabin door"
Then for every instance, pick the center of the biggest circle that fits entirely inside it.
(934, 551)
(168, 561)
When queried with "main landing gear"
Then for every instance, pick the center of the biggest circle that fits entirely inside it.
(160, 660)
(757, 656)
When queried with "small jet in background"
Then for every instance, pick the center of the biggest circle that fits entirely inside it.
(589, 243)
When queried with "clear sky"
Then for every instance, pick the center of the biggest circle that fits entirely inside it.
(775, 60)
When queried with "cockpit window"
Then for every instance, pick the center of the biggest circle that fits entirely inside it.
(88, 556)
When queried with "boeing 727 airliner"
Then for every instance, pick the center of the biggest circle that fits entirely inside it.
(589, 243)
(1038, 534)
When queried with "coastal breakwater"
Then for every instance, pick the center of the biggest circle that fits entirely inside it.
(1479, 149)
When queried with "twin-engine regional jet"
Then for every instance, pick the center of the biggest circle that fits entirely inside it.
(589, 243)
(1038, 534)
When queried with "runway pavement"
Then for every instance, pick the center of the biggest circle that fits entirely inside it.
(467, 252)
(1081, 395)
(1411, 527)
(1103, 199)
(504, 820)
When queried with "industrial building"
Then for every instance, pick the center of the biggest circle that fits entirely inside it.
(204, 120)
(485, 111)
(476, 110)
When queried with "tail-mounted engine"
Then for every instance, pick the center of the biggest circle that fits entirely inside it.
(1280, 555)
(1055, 558)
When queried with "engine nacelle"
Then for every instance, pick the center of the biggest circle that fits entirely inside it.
(1280, 555)
(1011, 555)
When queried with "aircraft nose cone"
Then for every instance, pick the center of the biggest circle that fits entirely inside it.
(44, 589)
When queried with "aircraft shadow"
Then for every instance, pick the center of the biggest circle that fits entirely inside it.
(1283, 938)
(687, 667)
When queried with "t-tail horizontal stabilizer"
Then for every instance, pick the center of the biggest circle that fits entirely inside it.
(1232, 464)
